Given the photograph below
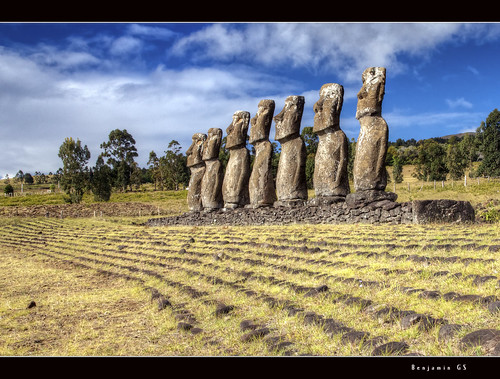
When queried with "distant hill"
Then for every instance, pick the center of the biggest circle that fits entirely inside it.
(459, 135)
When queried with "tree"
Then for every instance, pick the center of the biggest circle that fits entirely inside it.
(488, 135)
(174, 166)
(28, 179)
(8, 189)
(350, 158)
(456, 160)
(275, 158)
(397, 168)
(154, 167)
(469, 148)
(75, 175)
(311, 141)
(101, 182)
(20, 176)
(431, 161)
(223, 154)
(120, 151)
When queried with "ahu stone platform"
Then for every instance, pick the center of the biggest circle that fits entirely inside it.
(376, 212)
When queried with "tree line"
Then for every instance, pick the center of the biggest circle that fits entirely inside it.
(116, 169)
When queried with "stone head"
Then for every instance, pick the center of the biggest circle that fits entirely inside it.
(237, 130)
(371, 93)
(211, 146)
(261, 122)
(327, 109)
(195, 151)
(288, 120)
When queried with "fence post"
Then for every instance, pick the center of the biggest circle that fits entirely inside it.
(465, 180)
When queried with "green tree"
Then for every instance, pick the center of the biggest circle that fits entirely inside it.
(8, 189)
(120, 150)
(275, 159)
(311, 141)
(350, 158)
(223, 154)
(488, 135)
(397, 168)
(431, 161)
(28, 179)
(456, 160)
(174, 166)
(20, 176)
(154, 167)
(75, 175)
(101, 181)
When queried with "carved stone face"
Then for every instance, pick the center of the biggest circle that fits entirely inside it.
(288, 120)
(261, 122)
(194, 153)
(237, 130)
(211, 146)
(371, 93)
(327, 109)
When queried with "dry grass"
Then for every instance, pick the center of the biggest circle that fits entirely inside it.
(90, 280)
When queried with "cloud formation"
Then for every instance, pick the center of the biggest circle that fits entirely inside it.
(345, 49)
(84, 86)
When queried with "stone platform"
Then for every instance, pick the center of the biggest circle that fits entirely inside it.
(353, 210)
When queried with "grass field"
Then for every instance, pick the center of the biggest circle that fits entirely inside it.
(106, 285)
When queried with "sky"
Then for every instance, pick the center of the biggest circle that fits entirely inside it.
(167, 81)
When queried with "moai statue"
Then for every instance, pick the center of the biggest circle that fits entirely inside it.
(197, 167)
(235, 185)
(331, 182)
(261, 184)
(211, 185)
(370, 175)
(291, 187)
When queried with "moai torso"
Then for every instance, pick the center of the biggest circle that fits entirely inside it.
(261, 187)
(291, 185)
(331, 183)
(197, 168)
(211, 185)
(235, 184)
(371, 149)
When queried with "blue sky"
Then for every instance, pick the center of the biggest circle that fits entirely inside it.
(165, 81)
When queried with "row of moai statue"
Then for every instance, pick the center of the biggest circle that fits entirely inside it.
(211, 189)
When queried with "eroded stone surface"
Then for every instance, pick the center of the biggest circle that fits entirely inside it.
(235, 184)
(331, 183)
(211, 185)
(291, 188)
(262, 191)
(371, 148)
(197, 168)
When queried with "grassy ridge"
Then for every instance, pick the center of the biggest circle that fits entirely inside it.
(109, 288)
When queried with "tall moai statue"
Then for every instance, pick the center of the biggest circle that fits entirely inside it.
(197, 168)
(331, 182)
(291, 187)
(261, 186)
(370, 175)
(235, 185)
(211, 185)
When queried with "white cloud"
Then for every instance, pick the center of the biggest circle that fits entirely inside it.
(346, 48)
(151, 31)
(125, 45)
(459, 103)
(342, 48)
(39, 107)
